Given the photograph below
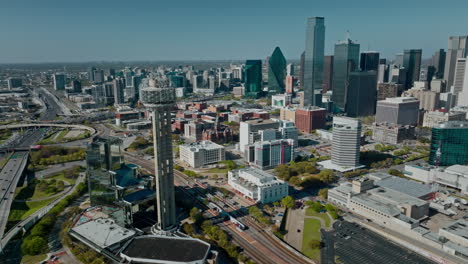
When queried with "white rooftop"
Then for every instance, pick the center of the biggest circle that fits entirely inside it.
(103, 232)
(457, 169)
(205, 144)
(399, 100)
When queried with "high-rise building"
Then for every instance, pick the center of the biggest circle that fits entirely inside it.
(382, 73)
(313, 63)
(76, 86)
(361, 94)
(276, 72)
(248, 130)
(398, 62)
(98, 76)
(301, 74)
(397, 75)
(59, 81)
(457, 48)
(310, 118)
(289, 84)
(119, 88)
(459, 76)
(91, 74)
(388, 90)
(14, 83)
(399, 111)
(412, 64)
(346, 60)
(462, 96)
(449, 144)
(369, 61)
(290, 69)
(327, 73)
(346, 141)
(253, 78)
(160, 101)
(438, 61)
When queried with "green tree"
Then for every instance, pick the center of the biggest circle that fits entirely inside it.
(34, 245)
(315, 244)
(323, 193)
(288, 202)
(395, 172)
(326, 176)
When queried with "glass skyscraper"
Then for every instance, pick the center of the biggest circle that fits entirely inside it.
(276, 72)
(346, 60)
(313, 61)
(253, 78)
(449, 144)
(412, 64)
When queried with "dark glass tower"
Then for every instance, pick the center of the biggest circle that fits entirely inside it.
(253, 78)
(328, 73)
(362, 94)
(369, 61)
(449, 144)
(301, 76)
(276, 72)
(346, 60)
(412, 64)
(313, 62)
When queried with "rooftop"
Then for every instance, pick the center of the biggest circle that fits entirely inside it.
(454, 124)
(398, 184)
(205, 144)
(457, 169)
(158, 249)
(399, 100)
(458, 228)
(140, 195)
(103, 232)
(125, 175)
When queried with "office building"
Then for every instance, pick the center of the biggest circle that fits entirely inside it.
(438, 86)
(253, 78)
(76, 86)
(276, 72)
(345, 60)
(428, 100)
(313, 63)
(14, 83)
(399, 110)
(327, 73)
(455, 176)
(98, 76)
(249, 131)
(457, 48)
(288, 130)
(269, 154)
(199, 154)
(412, 64)
(398, 62)
(369, 61)
(438, 61)
(447, 101)
(281, 100)
(288, 113)
(397, 75)
(311, 118)
(426, 74)
(439, 116)
(459, 76)
(388, 90)
(449, 144)
(346, 141)
(257, 185)
(289, 84)
(361, 93)
(391, 133)
(119, 89)
(383, 73)
(160, 101)
(59, 81)
(301, 73)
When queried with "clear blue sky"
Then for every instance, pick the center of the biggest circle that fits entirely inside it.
(91, 30)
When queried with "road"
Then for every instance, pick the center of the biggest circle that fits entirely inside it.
(58, 168)
(256, 242)
(9, 177)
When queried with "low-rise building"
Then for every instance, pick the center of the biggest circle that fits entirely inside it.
(257, 185)
(201, 153)
(434, 118)
(280, 100)
(391, 133)
(267, 155)
(455, 176)
(310, 118)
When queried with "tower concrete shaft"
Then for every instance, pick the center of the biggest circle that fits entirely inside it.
(160, 102)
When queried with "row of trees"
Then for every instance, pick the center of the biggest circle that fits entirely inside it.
(50, 155)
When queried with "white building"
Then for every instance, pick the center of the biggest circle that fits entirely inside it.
(455, 176)
(201, 153)
(434, 118)
(257, 185)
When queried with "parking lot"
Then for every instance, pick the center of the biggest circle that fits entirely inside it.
(350, 243)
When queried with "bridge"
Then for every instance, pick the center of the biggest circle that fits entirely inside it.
(39, 125)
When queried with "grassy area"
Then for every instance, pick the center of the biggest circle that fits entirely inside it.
(33, 259)
(311, 232)
(324, 216)
(21, 210)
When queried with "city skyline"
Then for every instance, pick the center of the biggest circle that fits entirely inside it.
(74, 32)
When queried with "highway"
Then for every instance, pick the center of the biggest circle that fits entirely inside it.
(9, 177)
(256, 242)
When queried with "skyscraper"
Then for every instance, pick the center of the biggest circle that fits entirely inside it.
(14, 83)
(253, 78)
(346, 141)
(290, 69)
(457, 48)
(361, 94)
(328, 73)
(160, 101)
(276, 72)
(346, 60)
(59, 81)
(76, 86)
(119, 88)
(412, 64)
(369, 61)
(459, 76)
(438, 61)
(301, 74)
(313, 62)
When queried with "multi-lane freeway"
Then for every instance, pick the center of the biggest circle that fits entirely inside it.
(9, 177)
